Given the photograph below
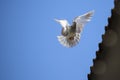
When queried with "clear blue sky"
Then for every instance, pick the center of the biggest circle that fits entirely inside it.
(29, 49)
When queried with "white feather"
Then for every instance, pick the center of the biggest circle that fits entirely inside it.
(73, 39)
(82, 20)
(64, 23)
(69, 43)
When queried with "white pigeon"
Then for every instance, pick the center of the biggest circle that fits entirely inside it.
(70, 34)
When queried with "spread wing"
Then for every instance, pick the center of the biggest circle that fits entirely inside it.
(82, 20)
(63, 23)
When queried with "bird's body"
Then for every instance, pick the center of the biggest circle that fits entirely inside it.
(70, 34)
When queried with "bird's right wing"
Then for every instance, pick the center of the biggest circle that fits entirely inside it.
(82, 20)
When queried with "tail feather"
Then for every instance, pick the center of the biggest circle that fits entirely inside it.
(65, 41)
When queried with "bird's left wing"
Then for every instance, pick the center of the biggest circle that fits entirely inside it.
(64, 23)
(82, 20)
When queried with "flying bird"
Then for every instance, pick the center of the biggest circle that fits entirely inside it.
(70, 34)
